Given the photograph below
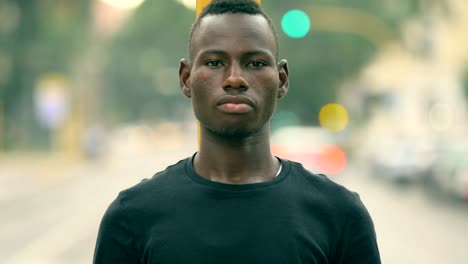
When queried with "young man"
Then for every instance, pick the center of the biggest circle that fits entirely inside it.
(233, 201)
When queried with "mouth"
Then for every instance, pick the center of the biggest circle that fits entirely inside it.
(235, 104)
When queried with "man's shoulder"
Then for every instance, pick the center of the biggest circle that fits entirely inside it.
(154, 189)
(161, 177)
(321, 186)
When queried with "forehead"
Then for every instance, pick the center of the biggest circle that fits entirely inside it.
(233, 32)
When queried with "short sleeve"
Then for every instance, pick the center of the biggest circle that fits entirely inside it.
(115, 243)
(358, 241)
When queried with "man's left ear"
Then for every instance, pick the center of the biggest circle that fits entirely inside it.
(283, 74)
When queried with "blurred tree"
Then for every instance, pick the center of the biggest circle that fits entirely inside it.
(44, 37)
(141, 77)
(142, 73)
(323, 59)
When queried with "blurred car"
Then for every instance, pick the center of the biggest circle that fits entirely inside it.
(402, 160)
(312, 146)
(450, 174)
(133, 141)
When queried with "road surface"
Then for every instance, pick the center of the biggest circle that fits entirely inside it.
(51, 209)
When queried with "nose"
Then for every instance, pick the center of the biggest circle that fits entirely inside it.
(235, 78)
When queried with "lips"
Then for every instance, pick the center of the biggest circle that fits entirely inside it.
(235, 104)
(235, 99)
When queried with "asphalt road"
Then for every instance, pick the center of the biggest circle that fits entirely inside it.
(51, 209)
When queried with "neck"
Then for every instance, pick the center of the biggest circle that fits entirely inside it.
(236, 160)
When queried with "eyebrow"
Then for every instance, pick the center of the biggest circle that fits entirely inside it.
(215, 52)
(246, 54)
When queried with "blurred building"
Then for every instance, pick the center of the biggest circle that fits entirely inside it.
(414, 89)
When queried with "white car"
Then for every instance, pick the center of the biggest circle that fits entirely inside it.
(401, 160)
(451, 171)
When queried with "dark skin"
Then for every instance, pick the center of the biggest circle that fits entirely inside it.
(234, 82)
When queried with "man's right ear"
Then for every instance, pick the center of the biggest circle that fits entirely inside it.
(184, 78)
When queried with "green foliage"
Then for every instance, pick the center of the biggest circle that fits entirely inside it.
(321, 60)
(142, 74)
(156, 39)
(47, 37)
(140, 78)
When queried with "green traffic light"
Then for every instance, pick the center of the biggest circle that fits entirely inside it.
(295, 23)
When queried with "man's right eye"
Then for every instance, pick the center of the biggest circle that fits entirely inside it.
(214, 64)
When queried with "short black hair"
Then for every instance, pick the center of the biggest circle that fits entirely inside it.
(218, 7)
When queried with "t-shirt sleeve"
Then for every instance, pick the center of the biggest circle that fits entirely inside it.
(358, 242)
(115, 243)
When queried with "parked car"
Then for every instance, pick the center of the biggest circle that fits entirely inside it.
(402, 160)
(450, 176)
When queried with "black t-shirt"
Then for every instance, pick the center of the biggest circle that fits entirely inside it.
(180, 217)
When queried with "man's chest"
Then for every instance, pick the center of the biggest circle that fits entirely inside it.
(228, 235)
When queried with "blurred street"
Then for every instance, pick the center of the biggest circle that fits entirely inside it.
(412, 225)
(51, 209)
(90, 105)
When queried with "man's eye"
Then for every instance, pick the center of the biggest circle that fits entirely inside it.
(256, 64)
(214, 64)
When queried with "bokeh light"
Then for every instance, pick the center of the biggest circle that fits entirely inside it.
(333, 117)
(295, 23)
(440, 116)
(124, 4)
(191, 4)
(52, 99)
(331, 160)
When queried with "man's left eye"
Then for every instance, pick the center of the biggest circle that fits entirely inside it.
(256, 64)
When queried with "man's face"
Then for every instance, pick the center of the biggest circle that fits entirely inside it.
(234, 79)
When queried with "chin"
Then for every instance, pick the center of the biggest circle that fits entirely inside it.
(234, 133)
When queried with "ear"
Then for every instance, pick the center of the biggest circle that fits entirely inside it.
(184, 78)
(283, 74)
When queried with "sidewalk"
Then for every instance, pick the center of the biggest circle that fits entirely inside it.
(23, 174)
(52, 207)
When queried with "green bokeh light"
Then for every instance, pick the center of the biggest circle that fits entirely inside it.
(295, 23)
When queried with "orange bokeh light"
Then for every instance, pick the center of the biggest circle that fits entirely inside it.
(279, 151)
(331, 160)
